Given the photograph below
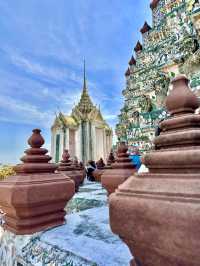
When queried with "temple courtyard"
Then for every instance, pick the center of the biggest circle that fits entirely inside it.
(110, 175)
(86, 239)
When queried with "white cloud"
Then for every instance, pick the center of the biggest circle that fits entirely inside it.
(24, 112)
(110, 117)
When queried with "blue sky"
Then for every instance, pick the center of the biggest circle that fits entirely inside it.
(42, 46)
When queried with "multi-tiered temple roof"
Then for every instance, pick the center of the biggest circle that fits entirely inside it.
(85, 110)
(85, 104)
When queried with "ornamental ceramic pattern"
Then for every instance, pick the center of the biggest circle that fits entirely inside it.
(170, 47)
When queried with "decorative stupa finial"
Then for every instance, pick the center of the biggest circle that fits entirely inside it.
(181, 99)
(36, 159)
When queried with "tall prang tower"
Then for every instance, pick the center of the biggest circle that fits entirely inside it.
(168, 47)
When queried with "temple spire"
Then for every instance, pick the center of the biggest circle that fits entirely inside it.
(84, 84)
(85, 104)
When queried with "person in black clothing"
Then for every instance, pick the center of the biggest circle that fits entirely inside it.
(158, 129)
(90, 168)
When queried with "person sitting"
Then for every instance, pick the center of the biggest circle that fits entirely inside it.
(90, 168)
(136, 157)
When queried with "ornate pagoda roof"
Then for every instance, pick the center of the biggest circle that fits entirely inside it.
(132, 61)
(85, 110)
(127, 72)
(138, 47)
(85, 104)
(145, 28)
(62, 120)
(154, 4)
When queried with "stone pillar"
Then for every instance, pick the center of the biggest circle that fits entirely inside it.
(34, 199)
(61, 143)
(66, 138)
(104, 144)
(84, 141)
(157, 214)
(121, 170)
(94, 143)
(53, 144)
(78, 144)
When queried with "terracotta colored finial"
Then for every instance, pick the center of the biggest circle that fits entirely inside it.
(65, 164)
(121, 170)
(100, 164)
(36, 140)
(111, 158)
(122, 149)
(35, 198)
(36, 159)
(71, 169)
(166, 198)
(181, 99)
(65, 156)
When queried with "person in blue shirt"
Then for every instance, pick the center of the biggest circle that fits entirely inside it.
(136, 157)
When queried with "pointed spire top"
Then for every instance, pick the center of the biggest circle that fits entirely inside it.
(154, 4)
(84, 84)
(145, 28)
(85, 104)
(138, 47)
(132, 61)
(127, 72)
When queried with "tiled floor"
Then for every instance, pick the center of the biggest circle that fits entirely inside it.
(85, 240)
(87, 232)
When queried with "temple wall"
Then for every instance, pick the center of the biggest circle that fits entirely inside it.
(96, 143)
